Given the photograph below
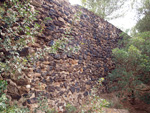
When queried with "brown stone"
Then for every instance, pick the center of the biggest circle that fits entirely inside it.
(21, 81)
(46, 63)
(13, 90)
(37, 3)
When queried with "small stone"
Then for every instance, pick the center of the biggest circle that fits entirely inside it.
(24, 52)
(58, 23)
(77, 90)
(27, 95)
(76, 84)
(65, 85)
(21, 82)
(34, 74)
(32, 101)
(61, 93)
(72, 89)
(57, 57)
(36, 3)
(70, 56)
(24, 103)
(37, 70)
(80, 62)
(60, 104)
(79, 96)
(85, 93)
(28, 86)
(61, 19)
(84, 57)
(51, 43)
(83, 88)
(46, 63)
(63, 56)
(50, 80)
(39, 93)
(44, 74)
(50, 88)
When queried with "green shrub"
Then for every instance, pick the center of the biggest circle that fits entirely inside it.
(131, 77)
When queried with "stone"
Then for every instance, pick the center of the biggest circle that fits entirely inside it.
(85, 94)
(77, 90)
(65, 85)
(37, 3)
(46, 62)
(59, 23)
(38, 70)
(50, 88)
(57, 57)
(72, 89)
(28, 86)
(24, 52)
(27, 95)
(50, 27)
(61, 93)
(36, 74)
(60, 104)
(61, 19)
(32, 100)
(21, 81)
(13, 90)
(44, 74)
(39, 93)
(50, 80)
(83, 88)
(51, 43)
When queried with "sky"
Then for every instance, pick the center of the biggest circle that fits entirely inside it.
(123, 23)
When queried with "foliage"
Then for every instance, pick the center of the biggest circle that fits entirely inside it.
(64, 44)
(70, 108)
(43, 105)
(143, 16)
(104, 8)
(16, 31)
(131, 76)
(17, 28)
(5, 107)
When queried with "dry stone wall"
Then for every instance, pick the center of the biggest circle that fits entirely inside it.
(67, 77)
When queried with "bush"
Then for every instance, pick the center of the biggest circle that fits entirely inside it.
(131, 77)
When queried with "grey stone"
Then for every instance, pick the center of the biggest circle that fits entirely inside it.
(72, 89)
(50, 88)
(85, 94)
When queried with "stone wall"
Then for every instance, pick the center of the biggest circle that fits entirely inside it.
(67, 77)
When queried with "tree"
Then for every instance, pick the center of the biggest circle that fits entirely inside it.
(131, 77)
(105, 8)
(143, 24)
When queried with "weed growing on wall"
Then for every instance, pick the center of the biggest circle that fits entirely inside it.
(17, 28)
(16, 31)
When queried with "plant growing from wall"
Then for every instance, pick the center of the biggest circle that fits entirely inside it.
(17, 28)
(5, 107)
(16, 31)
(64, 44)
